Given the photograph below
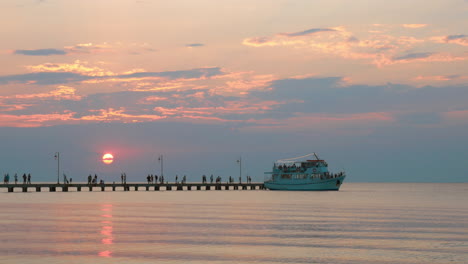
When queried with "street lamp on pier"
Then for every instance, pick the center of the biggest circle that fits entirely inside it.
(160, 159)
(240, 167)
(57, 157)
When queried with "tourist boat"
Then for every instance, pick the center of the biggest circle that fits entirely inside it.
(305, 175)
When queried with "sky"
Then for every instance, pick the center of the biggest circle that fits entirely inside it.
(377, 88)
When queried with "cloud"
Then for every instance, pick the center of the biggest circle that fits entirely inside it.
(79, 67)
(193, 45)
(377, 48)
(86, 48)
(412, 56)
(239, 100)
(284, 39)
(420, 57)
(43, 78)
(441, 77)
(93, 48)
(306, 32)
(41, 52)
(49, 74)
(453, 39)
(414, 25)
(61, 93)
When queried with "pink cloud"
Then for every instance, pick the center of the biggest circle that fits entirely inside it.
(453, 39)
(440, 77)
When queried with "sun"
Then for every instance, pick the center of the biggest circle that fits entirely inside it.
(108, 158)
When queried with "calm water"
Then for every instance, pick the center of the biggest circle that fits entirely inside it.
(362, 223)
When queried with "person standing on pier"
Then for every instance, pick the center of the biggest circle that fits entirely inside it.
(90, 178)
(211, 178)
(29, 178)
(121, 177)
(16, 178)
(155, 179)
(24, 178)
(240, 180)
(176, 179)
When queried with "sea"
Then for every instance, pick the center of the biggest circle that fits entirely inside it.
(361, 223)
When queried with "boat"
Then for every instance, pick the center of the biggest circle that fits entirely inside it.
(300, 174)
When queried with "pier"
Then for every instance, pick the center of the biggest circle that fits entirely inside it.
(78, 187)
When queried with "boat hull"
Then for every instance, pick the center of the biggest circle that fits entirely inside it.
(333, 184)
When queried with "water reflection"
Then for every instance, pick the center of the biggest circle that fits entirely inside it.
(106, 230)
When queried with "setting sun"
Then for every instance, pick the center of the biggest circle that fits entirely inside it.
(107, 158)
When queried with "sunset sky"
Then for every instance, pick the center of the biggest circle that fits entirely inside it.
(379, 88)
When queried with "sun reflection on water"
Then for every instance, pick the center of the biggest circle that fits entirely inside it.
(106, 230)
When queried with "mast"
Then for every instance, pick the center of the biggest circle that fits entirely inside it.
(316, 156)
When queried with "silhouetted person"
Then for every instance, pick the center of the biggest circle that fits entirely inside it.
(29, 178)
(24, 178)
(16, 179)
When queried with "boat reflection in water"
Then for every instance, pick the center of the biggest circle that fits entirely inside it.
(296, 174)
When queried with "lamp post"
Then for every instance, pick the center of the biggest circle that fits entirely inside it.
(162, 164)
(240, 167)
(57, 157)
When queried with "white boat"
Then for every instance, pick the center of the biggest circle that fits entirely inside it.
(303, 175)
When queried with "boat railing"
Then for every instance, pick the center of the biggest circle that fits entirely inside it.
(268, 176)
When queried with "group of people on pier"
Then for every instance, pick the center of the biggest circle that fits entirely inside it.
(154, 179)
(219, 179)
(26, 178)
(94, 180)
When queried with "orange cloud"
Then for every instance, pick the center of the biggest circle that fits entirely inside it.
(414, 25)
(61, 93)
(35, 120)
(80, 67)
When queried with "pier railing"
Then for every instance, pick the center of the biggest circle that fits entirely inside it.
(78, 187)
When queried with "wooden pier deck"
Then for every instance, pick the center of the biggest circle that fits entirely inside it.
(78, 187)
